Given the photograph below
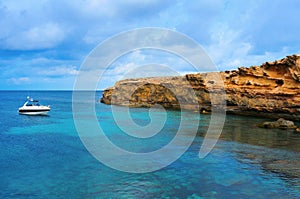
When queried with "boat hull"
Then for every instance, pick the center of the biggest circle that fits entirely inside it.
(34, 113)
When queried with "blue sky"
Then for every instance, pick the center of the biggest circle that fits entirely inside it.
(43, 43)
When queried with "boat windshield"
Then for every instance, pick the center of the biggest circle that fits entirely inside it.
(32, 103)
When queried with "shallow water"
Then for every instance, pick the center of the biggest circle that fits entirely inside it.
(43, 157)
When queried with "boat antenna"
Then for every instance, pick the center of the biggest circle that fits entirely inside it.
(28, 94)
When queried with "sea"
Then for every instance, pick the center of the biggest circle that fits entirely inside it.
(44, 156)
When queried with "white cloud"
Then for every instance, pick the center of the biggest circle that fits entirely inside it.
(145, 57)
(19, 80)
(229, 50)
(59, 71)
(39, 37)
(43, 35)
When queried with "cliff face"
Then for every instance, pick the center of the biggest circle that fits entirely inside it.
(271, 89)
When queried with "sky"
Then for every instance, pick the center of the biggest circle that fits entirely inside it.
(44, 43)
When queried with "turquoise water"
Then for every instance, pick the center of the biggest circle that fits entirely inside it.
(43, 157)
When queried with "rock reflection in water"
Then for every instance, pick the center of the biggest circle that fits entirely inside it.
(243, 130)
(281, 155)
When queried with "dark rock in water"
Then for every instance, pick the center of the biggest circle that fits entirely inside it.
(280, 123)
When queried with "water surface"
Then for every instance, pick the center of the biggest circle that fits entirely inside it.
(43, 157)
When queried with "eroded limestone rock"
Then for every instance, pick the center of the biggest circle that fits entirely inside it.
(272, 90)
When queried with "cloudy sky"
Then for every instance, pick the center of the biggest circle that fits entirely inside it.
(43, 43)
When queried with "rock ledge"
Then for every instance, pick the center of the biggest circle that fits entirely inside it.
(270, 90)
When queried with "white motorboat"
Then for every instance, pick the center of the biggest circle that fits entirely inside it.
(32, 107)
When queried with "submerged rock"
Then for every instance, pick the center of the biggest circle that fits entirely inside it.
(280, 123)
(269, 90)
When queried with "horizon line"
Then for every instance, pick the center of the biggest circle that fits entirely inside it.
(48, 90)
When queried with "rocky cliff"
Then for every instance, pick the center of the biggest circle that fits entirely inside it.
(271, 90)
